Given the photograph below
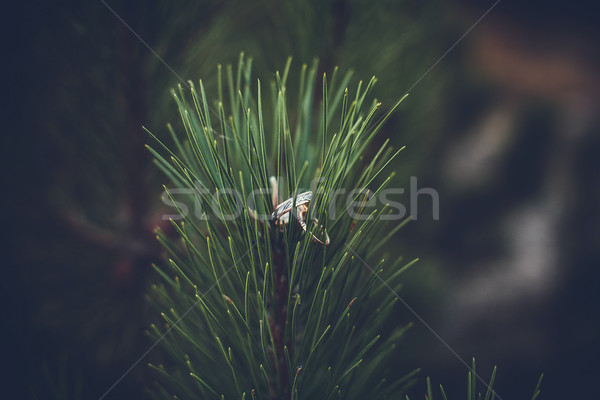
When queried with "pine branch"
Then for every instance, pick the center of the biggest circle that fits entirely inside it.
(276, 306)
(472, 394)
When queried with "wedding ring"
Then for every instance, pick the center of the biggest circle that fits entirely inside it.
(282, 213)
(282, 209)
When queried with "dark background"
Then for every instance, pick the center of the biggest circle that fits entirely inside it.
(505, 128)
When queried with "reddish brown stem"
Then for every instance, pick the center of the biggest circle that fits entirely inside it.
(278, 319)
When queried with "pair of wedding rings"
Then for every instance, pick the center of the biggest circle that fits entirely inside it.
(283, 211)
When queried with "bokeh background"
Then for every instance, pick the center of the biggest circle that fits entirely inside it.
(505, 128)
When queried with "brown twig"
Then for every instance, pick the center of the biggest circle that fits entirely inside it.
(278, 319)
